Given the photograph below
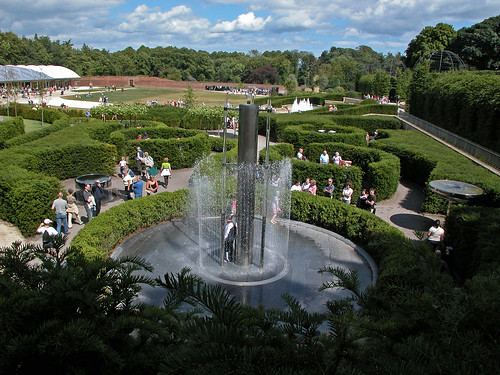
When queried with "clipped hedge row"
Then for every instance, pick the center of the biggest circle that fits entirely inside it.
(368, 123)
(99, 237)
(28, 112)
(37, 134)
(26, 197)
(424, 159)
(10, 129)
(182, 153)
(120, 137)
(277, 152)
(474, 234)
(103, 233)
(358, 225)
(383, 109)
(304, 134)
(464, 103)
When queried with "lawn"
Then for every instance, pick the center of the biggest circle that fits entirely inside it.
(162, 95)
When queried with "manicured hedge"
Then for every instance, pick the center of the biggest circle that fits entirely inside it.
(121, 137)
(465, 103)
(424, 159)
(10, 129)
(29, 189)
(368, 123)
(383, 109)
(28, 112)
(26, 197)
(99, 237)
(37, 134)
(474, 234)
(182, 153)
(358, 225)
(302, 135)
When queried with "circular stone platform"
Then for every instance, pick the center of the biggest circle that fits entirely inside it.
(171, 246)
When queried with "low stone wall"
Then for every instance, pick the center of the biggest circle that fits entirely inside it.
(100, 81)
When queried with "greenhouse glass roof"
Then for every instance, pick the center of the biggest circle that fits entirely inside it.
(25, 73)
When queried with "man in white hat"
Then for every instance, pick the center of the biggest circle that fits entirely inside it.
(47, 231)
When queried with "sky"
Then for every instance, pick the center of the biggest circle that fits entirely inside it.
(387, 26)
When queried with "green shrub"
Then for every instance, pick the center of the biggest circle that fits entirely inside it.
(368, 123)
(26, 198)
(277, 152)
(358, 225)
(302, 135)
(474, 234)
(99, 237)
(10, 129)
(217, 143)
(32, 136)
(28, 112)
(464, 103)
(369, 101)
(383, 109)
(182, 153)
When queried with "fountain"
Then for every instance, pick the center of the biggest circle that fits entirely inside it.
(301, 106)
(271, 257)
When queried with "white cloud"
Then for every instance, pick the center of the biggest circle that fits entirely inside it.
(178, 20)
(244, 22)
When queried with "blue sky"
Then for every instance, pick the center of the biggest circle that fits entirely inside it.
(238, 25)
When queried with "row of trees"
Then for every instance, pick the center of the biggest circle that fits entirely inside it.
(341, 68)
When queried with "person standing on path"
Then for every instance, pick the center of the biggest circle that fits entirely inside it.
(98, 196)
(139, 157)
(59, 206)
(435, 235)
(87, 201)
(166, 172)
(47, 231)
(72, 209)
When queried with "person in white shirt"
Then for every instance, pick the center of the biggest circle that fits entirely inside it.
(324, 158)
(296, 187)
(435, 235)
(47, 231)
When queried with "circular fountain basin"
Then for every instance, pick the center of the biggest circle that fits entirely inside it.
(171, 246)
(104, 179)
(455, 190)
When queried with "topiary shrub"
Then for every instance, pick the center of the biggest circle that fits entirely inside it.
(100, 236)
(26, 197)
(182, 153)
(10, 129)
(302, 135)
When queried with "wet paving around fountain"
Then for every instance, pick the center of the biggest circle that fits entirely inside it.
(171, 246)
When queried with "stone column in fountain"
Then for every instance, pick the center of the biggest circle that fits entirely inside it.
(247, 168)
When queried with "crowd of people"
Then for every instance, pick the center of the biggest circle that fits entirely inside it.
(147, 171)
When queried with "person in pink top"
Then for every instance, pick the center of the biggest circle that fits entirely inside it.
(313, 188)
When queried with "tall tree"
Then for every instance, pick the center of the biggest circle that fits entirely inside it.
(479, 45)
(430, 38)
